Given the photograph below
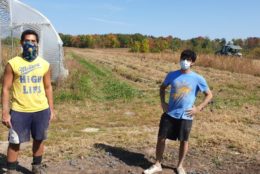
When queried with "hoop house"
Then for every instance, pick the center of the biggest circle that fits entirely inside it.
(15, 17)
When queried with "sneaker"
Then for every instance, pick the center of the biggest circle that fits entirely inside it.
(153, 169)
(39, 169)
(181, 170)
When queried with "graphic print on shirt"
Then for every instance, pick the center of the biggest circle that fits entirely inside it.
(30, 83)
(26, 69)
(182, 89)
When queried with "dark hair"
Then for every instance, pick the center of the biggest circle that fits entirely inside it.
(27, 32)
(189, 54)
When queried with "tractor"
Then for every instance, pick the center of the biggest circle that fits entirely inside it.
(230, 50)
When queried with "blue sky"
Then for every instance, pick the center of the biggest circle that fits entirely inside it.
(180, 18)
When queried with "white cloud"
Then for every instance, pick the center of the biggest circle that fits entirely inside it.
(111, 7)
(107, 21)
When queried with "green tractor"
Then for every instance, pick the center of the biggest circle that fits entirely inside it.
(230, 50)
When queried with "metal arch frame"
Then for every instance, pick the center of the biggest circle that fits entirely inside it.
(44, 21)
(40, 14)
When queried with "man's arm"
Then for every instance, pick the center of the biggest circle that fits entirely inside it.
(207, 99)
(196, 109)
(48, 92)
(162, 97)
(7, 84)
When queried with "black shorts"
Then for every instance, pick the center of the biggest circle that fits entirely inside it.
(174, 129)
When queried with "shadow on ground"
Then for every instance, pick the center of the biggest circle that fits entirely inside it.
(126, 156)
(3, 166)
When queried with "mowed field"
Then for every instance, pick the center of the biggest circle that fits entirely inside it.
(108, 111)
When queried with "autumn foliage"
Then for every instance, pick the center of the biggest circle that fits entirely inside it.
(143, 43)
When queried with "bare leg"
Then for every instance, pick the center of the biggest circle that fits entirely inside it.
(182, 152)
(38, 148)
(157, 167)
(12, 152)
(159, 150)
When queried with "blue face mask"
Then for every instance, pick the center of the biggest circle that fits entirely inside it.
(29, 51)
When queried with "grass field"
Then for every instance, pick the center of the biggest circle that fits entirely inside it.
(111, 101)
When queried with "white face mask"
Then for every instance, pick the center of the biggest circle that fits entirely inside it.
(185, 64)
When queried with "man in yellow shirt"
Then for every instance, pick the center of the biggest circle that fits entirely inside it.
(32, 102)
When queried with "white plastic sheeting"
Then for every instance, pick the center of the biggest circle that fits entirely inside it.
(15, 17)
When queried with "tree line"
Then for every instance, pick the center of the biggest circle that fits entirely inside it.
(143, 43)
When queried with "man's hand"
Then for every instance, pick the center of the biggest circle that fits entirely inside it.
(6, 120)
(193, 111)
(52, 116)
(165, 106)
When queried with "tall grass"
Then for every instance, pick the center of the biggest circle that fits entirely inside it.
(232, 64)
(6, 54)
(227, 63)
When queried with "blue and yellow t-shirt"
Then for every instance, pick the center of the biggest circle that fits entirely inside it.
(184, 89)
(28, 88)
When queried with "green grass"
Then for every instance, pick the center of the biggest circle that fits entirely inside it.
(231, 95)
(115, 89)
(77, 87)
(92, 82)
(92, 68)
(66, 96)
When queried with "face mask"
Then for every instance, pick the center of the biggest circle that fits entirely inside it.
(29, 51)
(185, 64)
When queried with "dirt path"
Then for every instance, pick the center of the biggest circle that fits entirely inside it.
(114, 160)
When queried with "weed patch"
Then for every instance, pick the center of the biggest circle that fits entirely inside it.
(118, 90)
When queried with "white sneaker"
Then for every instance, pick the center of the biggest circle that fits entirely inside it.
(153, 169)
(181, 170)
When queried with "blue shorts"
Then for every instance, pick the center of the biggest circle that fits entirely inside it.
(32, 123)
